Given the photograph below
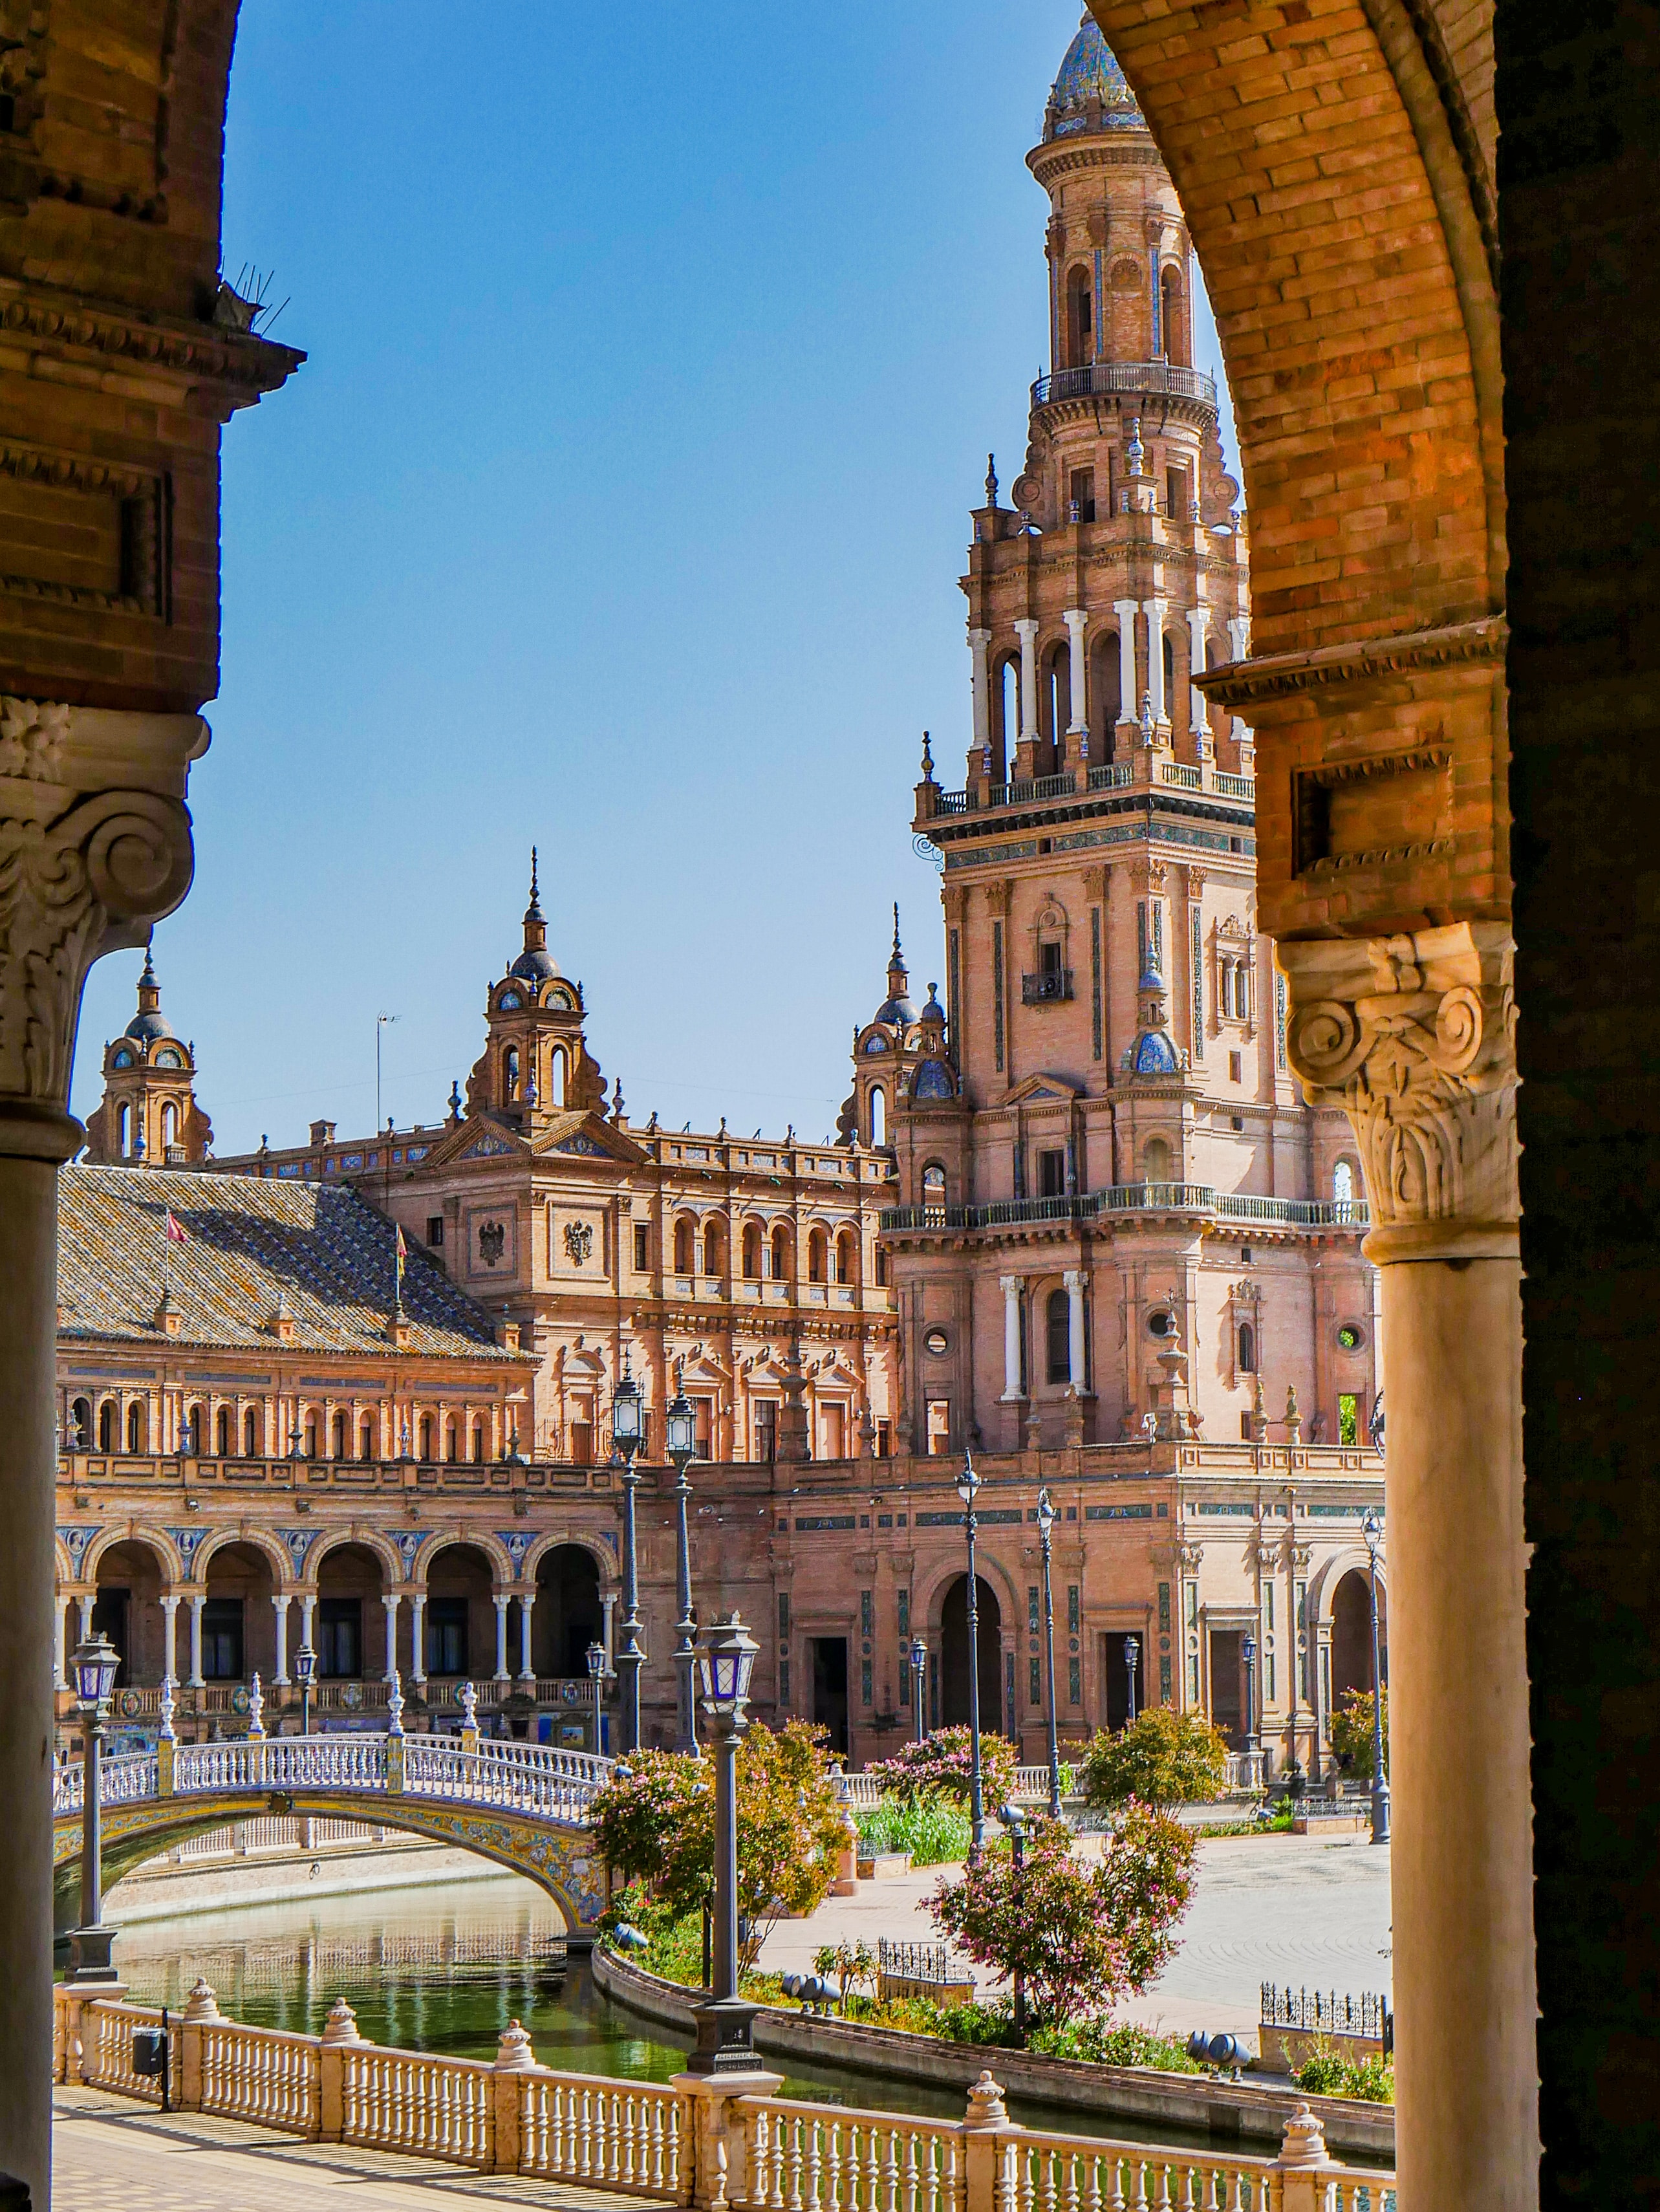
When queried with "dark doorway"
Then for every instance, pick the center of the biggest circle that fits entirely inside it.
(830, 1688)
(1228, 1685)
(1116, 1676)
(567, 1617)
(109, 1617)
(222, 1639)
(340, 1638)
(1351, 1635)
(350, 1585)
(954, 1656)
(447, 1636)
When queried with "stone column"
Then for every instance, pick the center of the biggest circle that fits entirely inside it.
(502, 1602)
(389, 1601)
(59, 1646)
(979, 645)
(1075, 619)
(1414, 1036)
(1238, 642)
(1011, 1339)
(308, 1607)
(84, 1601)
(1026, 630)
(197, 1600)
(1155, 610)
(1197, 718)
(608, 1606)
(169, 1635)
(279, 1605)
(1127, 610)
(527, 1600)
(418, 1636)
(1077, 1364)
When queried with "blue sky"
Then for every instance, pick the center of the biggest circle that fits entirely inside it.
(655, 354)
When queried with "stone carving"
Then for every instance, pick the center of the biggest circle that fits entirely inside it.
(578, 1241)
(1414, 1037)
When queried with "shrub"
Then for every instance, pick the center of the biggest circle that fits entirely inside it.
(1351, 1734)
(850, 1964)
(934, 1830)
(1326, 2073)
(940, 1767)
(1164, 1757)
(1107, 2042)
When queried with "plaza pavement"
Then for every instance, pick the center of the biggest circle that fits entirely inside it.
(1303, 1910)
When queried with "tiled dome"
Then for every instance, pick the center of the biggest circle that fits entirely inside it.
(1090, 75)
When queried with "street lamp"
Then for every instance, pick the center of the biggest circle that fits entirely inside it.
(304, 1667)
(1046, 1527)
(1132, 1652)
(95, 1664)
(967, 1490)
(1372, 1530)
(918, 1671)
(725, 1662)
(682, 1444)
(1248, 1653)
(1014, 1820)
(596, 1676)
(627, 1436)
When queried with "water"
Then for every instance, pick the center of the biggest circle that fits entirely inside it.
(446, 1969)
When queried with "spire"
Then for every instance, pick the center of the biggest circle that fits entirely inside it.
(534, 965)
(535, 907)
(990, 479)
(897, 956)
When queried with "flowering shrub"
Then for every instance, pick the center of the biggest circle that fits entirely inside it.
(1164, 1757)
(940, 1767)
(1351, 1734)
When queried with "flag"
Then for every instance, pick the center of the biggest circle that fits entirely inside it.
(402, 1254)
(175, 1230)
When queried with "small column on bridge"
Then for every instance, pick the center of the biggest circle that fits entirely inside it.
(279, 1605)
(418, 1636)
(59, 1660)
(199, 1600)
(391, 1602)
(527, 1600)
(502, 1599)
(169, 1635)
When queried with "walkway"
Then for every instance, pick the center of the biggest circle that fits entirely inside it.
(111, 2155)
(1301, 1910)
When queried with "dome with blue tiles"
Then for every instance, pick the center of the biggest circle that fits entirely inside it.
(1091, 92)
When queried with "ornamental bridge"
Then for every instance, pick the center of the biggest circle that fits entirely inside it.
(523, 1805)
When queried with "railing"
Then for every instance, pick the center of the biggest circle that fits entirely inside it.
(261, 2074)
(1326, 2013)
(837, 2160)
(1112, 777)
(1030, 1782)
(1061, 2173)
(1183, 778)
(531, 1777)
(1136, 1198)
(412, 2101)
(628, 2137)
(1165, 377)
(1236, 786)
(922, 1962)
(105, 2059)
(1046, 987)
(123, 1781)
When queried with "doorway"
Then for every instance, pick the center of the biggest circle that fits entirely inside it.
(1116, 1677)
(830, 1688)
(1228, 1685)
(953, 1654)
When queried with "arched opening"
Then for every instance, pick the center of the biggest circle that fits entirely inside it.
(128, 1610)
(881, 1268)
(108, 1418)
(954, 1656)
(1173, 322)
(684, 1262)
(238, 1628)
(222, 1433)
(1103, 694)
(196, 1430)
(1248, 1349)
(847, 1256)
(1351, 1634)
(169, 1127)
(568, 1615)
(510, 1073)
(1342, 1183)
(81, 1424)
(713, 1247)
(1057, 1336)
(339, 1431)
(366, 1437)
(780, 1255)
(1155, 1160)
(1080, 318)
(123, 1131)
(477, 1429)
(251, 1427)
(878, 1114)
(426, 1452)
(138, 1426)
(1055, 702)
(461, 1633)
(1005, 716)
(451, 1441)
(933, 1185)
(752, 1251)
(1169, 677)
(815, 1255)
(349, 1584)
(556, 1077)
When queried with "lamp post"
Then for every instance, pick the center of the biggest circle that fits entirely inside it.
(628, 1435)
(967, 1490)
(1014, 1820)
(1132, 1652)
(95, 1664)
(1046, 1527)
(918, 1672)
(1372, 1530)
(1248, 1653)
(596, 1676)
(725, 1662)
(304, 1667)
(681, 1440)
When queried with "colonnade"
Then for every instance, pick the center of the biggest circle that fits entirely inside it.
(1153, 611)
(1075, 1281)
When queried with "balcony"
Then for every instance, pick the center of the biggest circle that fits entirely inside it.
(1190, 1198)
(1163, 378)
(1047, 988)
(1154, 770)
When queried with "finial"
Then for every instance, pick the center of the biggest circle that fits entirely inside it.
(1133, 454)
(1145, 725)
(536, 906)
(927, 759)
(897, 954)
(455, 1103)
(147, 981)
(990, 479)
(616, 1100)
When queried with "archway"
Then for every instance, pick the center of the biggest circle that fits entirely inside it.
(349, 1637)
(239, 1627)
(568, 1615)
(1351, 1634)
(131, 1580)
(954, 1656)
(461, 1617)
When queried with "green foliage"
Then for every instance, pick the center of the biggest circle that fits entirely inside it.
(653, 1822)
(934, 1830)
(1327, 2073)
(1080, 1935)
(941, 1765)
(850, 1964)
(992, 2023)
(1106, 2042)
(1164, 1757)
(1351, 1734)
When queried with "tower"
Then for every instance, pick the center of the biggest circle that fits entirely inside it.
(149, 1116)
(536, 1061)
(1119, 1159)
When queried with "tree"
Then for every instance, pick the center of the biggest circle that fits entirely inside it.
(1164, 1757)
(1351, 1734)
(940, 1766)
(1083, 1937)
(654, 1821)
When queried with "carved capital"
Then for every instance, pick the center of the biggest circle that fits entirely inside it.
(1415, 1036)
(94, 847)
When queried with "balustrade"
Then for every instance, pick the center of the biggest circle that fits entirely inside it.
(260, 2074)
(837, 2161)
(607, 2135)
(1065, 2173)
(406, 2100)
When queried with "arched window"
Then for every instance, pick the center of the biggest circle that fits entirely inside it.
(196, 1430)
(1248, 1349)
(169, 1126)
(1006, 698)
(933, 1184)
(452, 1443)
(123, 1131)
(1173, 333)
(881, 1268)
(685, 1263)
(712, 1248)
(847, 1256)
(556, 1078)
(752, 1250)
(251, 1434)
(81, 1424)
(780, 1255)
(1155, 1160)
(1105, 706)
(106, 1425)
(1080, 317)
(510, 1072)
(426, 1437)
(366, 1438)
(340, 1434)
(878, 1114)
(478, 1441)
(136, 1425)
(1169, 677)
(222, 1432)
(1058, 696)
(311, 1434)
(1057, 1334)
(1342, 1183)
(815, 1255)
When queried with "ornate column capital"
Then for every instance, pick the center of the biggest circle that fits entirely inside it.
(1415, 1036)
(94, 847)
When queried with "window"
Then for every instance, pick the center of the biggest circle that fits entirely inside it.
(366, 1438)
(1155, 1160)
(1160, 1322)
(222, 1639)
(1170, 301)
(123, 1131)
(426, 1437)
(1236, 1067)
(878, 1114)
(835, 1431)
(1244, 1428)
(310, 1436)
(1176, 501)
(1032, 1596)
(435, 1231)
(81, 1424)
(1006, 696)
(1342, 1183)
(683, 1260)
(847, 1256)
(752, 1250)
(881, 1268)
(250, 1434)
(136, 1428)
(446, 1636)
(1080, 506)
(1073, 1595)
(1052, 1174)
(939, 1428)
(1169, 678)
(780, 1255)
(107, 1428)
(712, 1251)
(885, 1442)
(933, 1184)
(766, 1430)
(642, 1248)
(1348, 1417)
(1073, 1683)
(1034, 1685)
(1248, 1349)
(510, 1072)
(556, 1079)
(815, 1255)
(478, 1441)
(169, 1126)
(783, 1612)
(221, 1431)
(1080, 318)
(340, 1638)
(1058, 1337)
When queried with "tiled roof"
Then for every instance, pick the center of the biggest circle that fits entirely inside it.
(325, 1251)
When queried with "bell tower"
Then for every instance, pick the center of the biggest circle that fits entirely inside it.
(535, 1064)
(149, 1116)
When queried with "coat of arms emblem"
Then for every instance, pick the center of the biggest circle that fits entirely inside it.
(578, 1241)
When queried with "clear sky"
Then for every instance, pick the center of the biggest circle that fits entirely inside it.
(655, 354)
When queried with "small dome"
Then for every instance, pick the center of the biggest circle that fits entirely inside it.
(898, 1011)
(1090, 80)
(148, 1023)
(534, 965)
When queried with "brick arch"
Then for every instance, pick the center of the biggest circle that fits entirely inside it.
(154, 1539)
(282, 1566)
(332, 1540)
(1351, 1559)
(555, 1539)
(479, 1540)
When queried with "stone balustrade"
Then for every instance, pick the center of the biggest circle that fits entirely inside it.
(709, 2143)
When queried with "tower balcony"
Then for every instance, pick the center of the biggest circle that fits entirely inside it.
(1161, 378)
(1048, 986)
(1152, 770)
(1120, 1200)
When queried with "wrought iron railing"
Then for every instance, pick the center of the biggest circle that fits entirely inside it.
(1321, 2012)
(1163, 377)
(1136, 1198)
(1046, 987)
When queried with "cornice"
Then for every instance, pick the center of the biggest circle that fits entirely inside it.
(1243, 684)
(197, 352)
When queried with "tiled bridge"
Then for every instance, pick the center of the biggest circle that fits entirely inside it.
(523, 1805)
